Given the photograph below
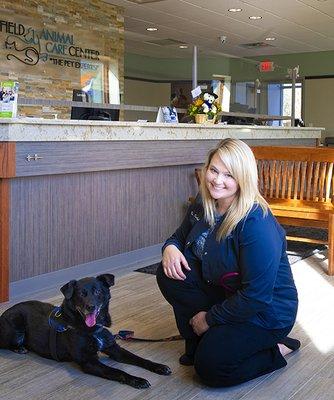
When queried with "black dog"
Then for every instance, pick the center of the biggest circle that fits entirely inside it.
(74, 331)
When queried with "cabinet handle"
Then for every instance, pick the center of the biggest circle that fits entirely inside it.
(35, 157)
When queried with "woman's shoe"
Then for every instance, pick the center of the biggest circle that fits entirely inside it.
(186, 359)
(292, 344)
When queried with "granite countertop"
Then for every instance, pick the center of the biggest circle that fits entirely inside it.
(41, 130)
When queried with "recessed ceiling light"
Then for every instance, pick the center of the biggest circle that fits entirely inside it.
(255, 17)
(152, 29)
(183, 46)
(269, 39)
(235, 9)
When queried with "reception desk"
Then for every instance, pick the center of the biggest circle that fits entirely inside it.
(72, 192)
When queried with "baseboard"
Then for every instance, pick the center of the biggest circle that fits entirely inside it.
(119, 265)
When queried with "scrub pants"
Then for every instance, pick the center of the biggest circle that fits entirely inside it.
(226, 354)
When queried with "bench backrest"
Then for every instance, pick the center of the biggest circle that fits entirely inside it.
(304, 173)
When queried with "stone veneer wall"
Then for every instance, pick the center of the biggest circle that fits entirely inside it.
(85, 24)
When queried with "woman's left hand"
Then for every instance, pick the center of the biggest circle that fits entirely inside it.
(199, 324)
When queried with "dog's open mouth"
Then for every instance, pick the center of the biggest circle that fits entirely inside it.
(90, 318)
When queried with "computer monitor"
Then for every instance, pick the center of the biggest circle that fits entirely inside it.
(86, 113)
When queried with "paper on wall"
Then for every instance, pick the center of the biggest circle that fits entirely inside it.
(8, 99)
(196, 92)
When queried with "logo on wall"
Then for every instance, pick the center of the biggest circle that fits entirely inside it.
(30, 46)
(27, 54)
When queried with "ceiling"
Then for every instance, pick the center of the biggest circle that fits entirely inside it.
(298, 26)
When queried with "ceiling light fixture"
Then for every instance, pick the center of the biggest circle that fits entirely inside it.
(152, 29)
(183, 46)
(235, 9)
(269, 39)
(255, 17)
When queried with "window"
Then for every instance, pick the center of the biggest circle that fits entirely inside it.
(279, 101)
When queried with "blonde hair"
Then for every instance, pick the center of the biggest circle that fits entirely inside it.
(240, 163)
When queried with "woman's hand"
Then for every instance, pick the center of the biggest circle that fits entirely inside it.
(173, 261)
(199, 324)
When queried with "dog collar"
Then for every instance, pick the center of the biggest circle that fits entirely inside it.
(55, 314)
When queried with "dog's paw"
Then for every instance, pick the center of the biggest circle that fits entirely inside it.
(138, 383)
(162, 369)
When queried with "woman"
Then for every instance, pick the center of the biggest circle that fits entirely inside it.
(226, 273)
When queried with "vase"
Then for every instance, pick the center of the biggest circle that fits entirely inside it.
(201, 118)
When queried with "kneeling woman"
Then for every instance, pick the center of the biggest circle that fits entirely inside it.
(226, 273)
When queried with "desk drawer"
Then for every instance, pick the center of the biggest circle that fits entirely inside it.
(45, 158)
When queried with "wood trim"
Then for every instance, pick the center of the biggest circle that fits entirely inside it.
(301, 222)
(316, 154)
(4, 238)
(7, 159)
(306, 240)
(331, 245)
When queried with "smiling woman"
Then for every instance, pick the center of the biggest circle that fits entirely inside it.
(220, 184)
(226, 273)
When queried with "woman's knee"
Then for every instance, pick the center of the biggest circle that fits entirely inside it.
(215, 375)
(213, 364)
(160, 273)
(166, 285)
(204, 366)
(162, 280)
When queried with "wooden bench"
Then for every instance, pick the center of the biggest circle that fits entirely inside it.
(298, 184)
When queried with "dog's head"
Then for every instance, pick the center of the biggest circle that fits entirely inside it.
(89, 297)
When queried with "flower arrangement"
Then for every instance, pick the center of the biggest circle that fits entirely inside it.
(207, 104)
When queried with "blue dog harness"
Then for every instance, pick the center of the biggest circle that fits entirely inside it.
(53, 323)
(56, 326)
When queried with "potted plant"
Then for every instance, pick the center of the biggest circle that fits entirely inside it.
(204, 108)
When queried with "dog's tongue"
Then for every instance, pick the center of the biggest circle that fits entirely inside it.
(90, 319)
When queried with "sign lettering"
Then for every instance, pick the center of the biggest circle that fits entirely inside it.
(30, 46)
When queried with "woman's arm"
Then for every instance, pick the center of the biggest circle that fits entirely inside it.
(178, 238)
(173, 260)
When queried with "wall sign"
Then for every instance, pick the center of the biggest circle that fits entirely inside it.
(31, 46)
(266, 66)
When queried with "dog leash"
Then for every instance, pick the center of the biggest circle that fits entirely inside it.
(129, 336)
(57, 327)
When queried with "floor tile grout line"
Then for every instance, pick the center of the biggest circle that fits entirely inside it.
(257, 385)
(311, 378)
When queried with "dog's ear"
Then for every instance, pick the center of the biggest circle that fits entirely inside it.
(107, 279)
(68, 289)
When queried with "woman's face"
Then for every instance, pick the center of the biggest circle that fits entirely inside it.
(220, 183)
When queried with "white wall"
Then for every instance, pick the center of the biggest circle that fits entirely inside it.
(145, 94)
(319, 104)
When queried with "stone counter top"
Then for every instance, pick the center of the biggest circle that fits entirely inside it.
(46, 130)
